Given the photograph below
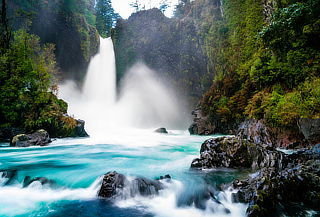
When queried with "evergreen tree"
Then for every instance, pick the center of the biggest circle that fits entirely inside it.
(106, 17)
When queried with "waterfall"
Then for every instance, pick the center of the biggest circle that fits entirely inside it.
(145, 101)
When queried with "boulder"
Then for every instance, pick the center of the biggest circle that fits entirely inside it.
(234, 152)
(161, 130)
(255, 131)
(112, 183)
(7, 133)
(269, 189)
(39, 138)
(117, 185)
(310, 128)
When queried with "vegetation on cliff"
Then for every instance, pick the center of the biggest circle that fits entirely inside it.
(69, 24)
(265, 58)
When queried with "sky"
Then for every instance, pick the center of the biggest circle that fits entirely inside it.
(125, 10)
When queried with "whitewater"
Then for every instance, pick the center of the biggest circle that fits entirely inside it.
(120, 121)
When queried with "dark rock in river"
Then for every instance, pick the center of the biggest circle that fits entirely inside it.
(234, 152)
(161, 130)
(310, 128)
(269, 189)
(7, 176)
(79, 129)
(114, 185)
(39, 138)
(43, 180)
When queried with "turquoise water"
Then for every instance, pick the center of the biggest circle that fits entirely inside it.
(76, 165)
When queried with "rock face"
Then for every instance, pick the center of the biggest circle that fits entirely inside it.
(117, 185)
(39, 138)
(201, 124)
(310, 128)
(161, 130)
(255, 131)
(79, 129)
(234, 152)
(270, 189)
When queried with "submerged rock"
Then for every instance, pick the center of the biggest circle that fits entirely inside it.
(39, 138)
(117, 185)
(7, 176)
(234, 152)
(161, 130)
(42, 180)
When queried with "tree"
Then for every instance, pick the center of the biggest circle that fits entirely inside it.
(5, 29)
(106, 17)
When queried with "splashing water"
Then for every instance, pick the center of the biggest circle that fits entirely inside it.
(144, 100)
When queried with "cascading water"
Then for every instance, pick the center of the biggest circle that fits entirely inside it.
(76, 165)
(144, 100)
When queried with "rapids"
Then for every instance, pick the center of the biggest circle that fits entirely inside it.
(121, 139)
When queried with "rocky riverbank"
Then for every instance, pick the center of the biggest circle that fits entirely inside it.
(278, 179)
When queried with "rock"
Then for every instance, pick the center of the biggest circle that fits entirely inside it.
(112, 183)
(145, 187)
(7, 176)
(201, 124)
(297, 182)
(310, 128)
(39, 138)
(42, 180)
(117, 185)
(255, 131)
(79, 129)
(166, 177)
(234, 152)
(161, 130)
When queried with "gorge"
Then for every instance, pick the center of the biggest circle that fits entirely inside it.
(128, 112)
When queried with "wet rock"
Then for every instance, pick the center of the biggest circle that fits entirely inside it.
(310, 128)
(42, 180)
(234, 152)
(297, 182)
(161, 130)
(145, 187)
(79, 129)
(7, 176)
(117, 185)
(255, 131)
(165, 177)
(39, 138)
(112, 183)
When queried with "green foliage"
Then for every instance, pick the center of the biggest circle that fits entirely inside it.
(106, 17)
(27, 73)
(276, 61)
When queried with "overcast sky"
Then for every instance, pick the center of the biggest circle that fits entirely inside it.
(124, 9)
